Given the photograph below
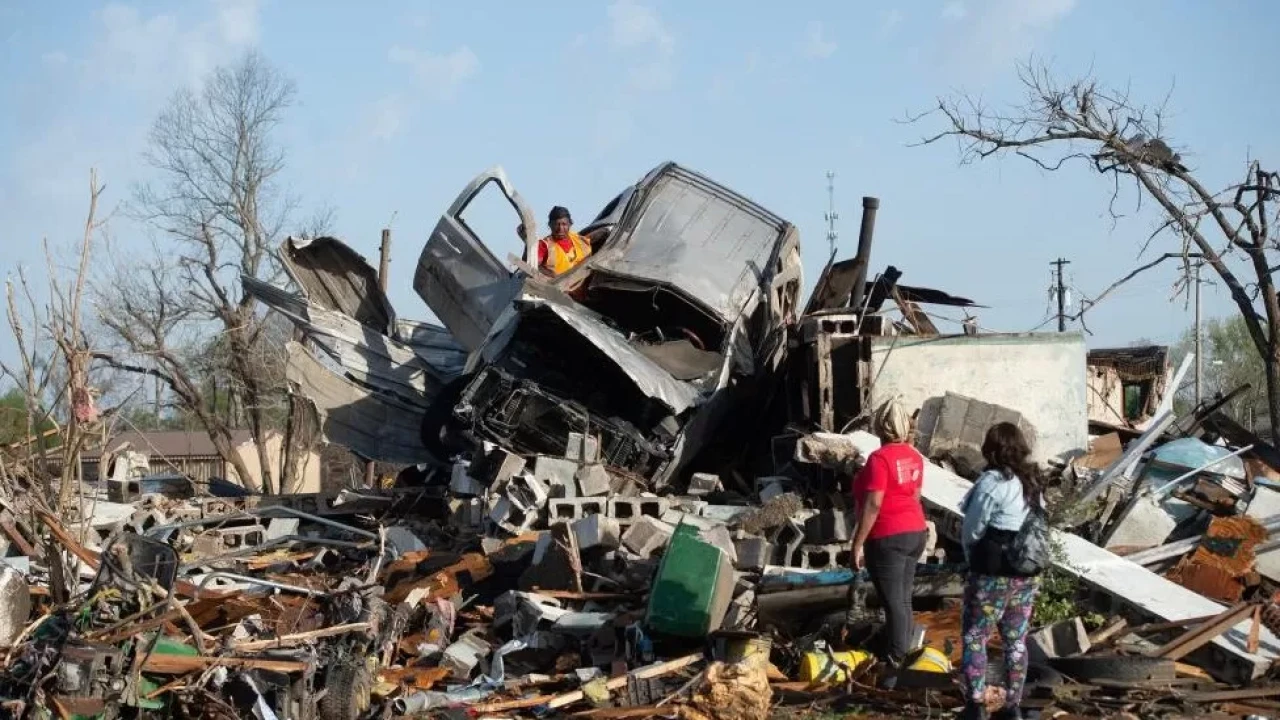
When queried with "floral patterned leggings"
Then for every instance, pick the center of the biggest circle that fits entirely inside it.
(1006, 602)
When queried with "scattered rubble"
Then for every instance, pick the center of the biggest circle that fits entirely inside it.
(651, 520)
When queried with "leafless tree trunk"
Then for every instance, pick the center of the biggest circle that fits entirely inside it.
(220, 213)
(1232, 229)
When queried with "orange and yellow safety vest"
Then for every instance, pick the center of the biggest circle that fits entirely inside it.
(560, 261)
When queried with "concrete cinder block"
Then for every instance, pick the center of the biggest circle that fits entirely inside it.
(771, 489)
(828, 526)
(461, 482)
(462, 657)
(557, 474)
(675, 517)
(786, 541)
(568, 509)
(686, 504)
(627, 510)
(582, 449)
(282, 527)
(1063, 639)
(593, 480)
(466, 513)
(704, 484)
(597, 531)
(753, 553)
(510, 516)
(719, 536)
(495, 466)
(725, 513)
(824, 557)
(647, 535)
(529, 492)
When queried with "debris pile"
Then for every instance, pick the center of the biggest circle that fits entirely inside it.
(626, 494)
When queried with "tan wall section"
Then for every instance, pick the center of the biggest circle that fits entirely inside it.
(310, 470)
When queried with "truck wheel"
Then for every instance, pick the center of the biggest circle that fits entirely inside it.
(348, 690)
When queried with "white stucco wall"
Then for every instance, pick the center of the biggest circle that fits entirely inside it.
(1042, 376)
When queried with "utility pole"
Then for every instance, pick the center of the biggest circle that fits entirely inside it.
(831, 216)
(1199, 353)
(1062, 295)
(384, 269)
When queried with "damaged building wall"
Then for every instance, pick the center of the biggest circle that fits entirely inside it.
(1041, 376)
(308, 467)
(1126, 385)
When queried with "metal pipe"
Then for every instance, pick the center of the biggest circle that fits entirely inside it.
(258, 581)
(1181, 478)
(261, 512)
(863, 259)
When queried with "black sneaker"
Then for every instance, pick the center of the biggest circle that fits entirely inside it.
(973, 711)
(1007, 713)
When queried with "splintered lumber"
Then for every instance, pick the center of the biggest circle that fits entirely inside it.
(644, 673)
(1112, 630)
(183, 664)
(1202, 634)
(300, 638)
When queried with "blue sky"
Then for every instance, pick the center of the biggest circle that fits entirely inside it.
(401, 103)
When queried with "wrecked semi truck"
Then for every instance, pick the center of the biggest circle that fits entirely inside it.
(678, 316)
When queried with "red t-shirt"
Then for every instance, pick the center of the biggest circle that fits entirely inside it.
(565, 243)
(897, 470)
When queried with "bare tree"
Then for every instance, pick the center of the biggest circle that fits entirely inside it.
(1103, 129)
(219, 212)
(54, 353)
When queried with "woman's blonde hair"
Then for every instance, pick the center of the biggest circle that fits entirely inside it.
(891, 421)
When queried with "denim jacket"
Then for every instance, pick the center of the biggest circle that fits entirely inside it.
(994, 501)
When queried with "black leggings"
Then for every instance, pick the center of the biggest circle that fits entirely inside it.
(891, 563)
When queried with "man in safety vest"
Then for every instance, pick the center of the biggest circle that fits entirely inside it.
(563, 249)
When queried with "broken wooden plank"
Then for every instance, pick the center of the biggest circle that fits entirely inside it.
(1112, 630)
(1256, 693)
(182, 664)
(1191, 671)
(300, 638)
(644, 673)
(1202, 634)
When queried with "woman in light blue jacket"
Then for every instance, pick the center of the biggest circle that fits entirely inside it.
(995, 595)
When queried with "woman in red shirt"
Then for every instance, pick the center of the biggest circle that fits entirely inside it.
(891, 532)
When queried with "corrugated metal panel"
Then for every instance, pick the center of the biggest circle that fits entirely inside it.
(338, 278)
(699, 237)
(373, 425)
(369, 356)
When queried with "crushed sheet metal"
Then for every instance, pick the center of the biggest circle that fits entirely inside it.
(1108, 572)
(648, 376)
(433, 344)
(338, 278)
(371, 357)
(698, 237)
(371, 425)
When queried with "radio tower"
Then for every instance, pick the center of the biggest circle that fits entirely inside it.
(831, 216)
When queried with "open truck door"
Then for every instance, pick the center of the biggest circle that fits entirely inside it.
(459, 278)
